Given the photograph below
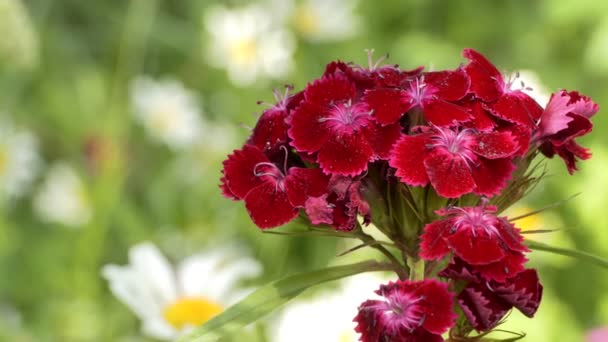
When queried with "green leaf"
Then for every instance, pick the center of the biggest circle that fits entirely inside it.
(539, 246)
(271, 296)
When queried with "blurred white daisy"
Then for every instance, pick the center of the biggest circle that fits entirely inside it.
(249, 43)
(326, 20)
(331, 313)
(169, 112)
(19, 159)
(19, 43)
(63, 198)
(170, 301)
(529, 82)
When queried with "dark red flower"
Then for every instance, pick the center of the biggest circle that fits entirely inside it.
(270, 132)
(408, 311)
(488, 85)
(430, 92)
(272, 195)
(485, 303)
(338, 129)
(477, 236)
(455, 162)
(566, 117)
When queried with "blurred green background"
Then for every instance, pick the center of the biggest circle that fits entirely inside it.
(66, 80)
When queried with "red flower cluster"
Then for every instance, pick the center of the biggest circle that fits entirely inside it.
(359, 143)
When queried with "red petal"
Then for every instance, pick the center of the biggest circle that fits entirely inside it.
(382, 139)
(491, 175)
(387, 105)
(486, 80)
(239, 177)
(448, 173)
(522, 137)
(302, 183)
(569, 152)
(270, 130)
(307, 131)
(481, 308)
(442, 113)
(523, 291)
(406, 156)
(268, 206)
(391, 76)
(438, 302)
(518, 107)
(347, 154)
(451, 85)
(511, 236)
(432, 242)
(554, 117)
(343, 218)
(495, 145)
(226, 190)
(583, 105)
(458, 269)
(511, 265)
(482, 120)
(577, 126)
(340, 185)
(330, 89)
(476, 250)
(319, 211)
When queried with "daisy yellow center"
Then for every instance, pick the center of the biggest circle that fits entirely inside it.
(163, 119)
(305, 20)
(347, 336)
(3, 160)
(191, 311)
(243, 50)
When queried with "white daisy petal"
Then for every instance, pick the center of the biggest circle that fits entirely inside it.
(213, 274)
(169, 112)
(19, 159)
(126, 285)
(160, 329)
(154, 268)
(63, 198)
(326, 20)
(249, 43)
(227, 277)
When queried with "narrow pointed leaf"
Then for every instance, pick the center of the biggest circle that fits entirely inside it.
(270, 297)
(539, 246)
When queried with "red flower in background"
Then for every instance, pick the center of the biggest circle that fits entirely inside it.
(407, 311)
(566, 117)
(478, 237)
(339, 130)
(272, 195)
(455, 162)
(485, 303)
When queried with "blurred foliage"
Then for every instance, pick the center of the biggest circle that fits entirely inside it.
(65, 68)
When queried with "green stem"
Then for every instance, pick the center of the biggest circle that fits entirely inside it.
(417, 269)
(401, 270)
